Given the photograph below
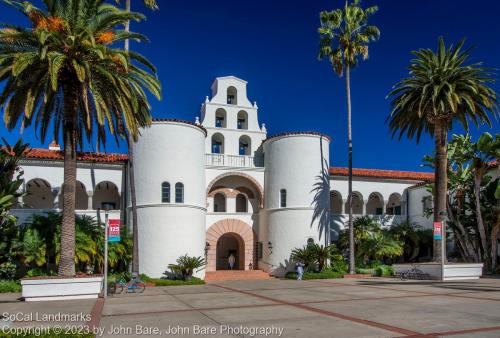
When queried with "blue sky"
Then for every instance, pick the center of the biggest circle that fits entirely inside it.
(273, 45)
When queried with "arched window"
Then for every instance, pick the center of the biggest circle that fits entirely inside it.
(217, 144)
(232, 95)
(335, 203)
(283, 198)
(179, 193)
(393, 206)
(219, 202)
(357, 204)
(165, 192)
(245, 145)
(220, 118)
(106, 193)
(39, 194)
(241, 203)
(375, 204)
(242, 120)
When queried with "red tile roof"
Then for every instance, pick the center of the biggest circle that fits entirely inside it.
(378, 173)
(46, 154)
(157, 119)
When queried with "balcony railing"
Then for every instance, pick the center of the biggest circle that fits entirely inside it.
(224, 160)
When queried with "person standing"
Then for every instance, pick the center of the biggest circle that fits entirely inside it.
(231, 260)
(299, 267)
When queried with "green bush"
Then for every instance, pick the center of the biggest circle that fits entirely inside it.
(338, 264)
(326, 274)
(9, 286)
(7, 270)
(377, 271)
(174, 282)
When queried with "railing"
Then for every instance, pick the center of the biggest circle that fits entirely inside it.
(234, 160)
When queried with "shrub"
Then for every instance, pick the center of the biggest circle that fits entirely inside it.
(174, 282)
(338, 264)
(9, 286)
(185, 267)
(384, 271)
(326, 274)
(7, 270)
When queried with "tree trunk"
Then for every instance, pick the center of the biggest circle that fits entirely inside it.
(131, 177)
(67, 254)
(479, 217)
(494, 244)
(440, 185)
(352, 266)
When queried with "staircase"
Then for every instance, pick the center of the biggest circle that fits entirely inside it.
(226, 275)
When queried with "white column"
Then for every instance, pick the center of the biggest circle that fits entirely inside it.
(89, 203)
(230, 204)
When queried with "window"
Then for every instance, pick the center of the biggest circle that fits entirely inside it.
(231, 95)
(259, 250)
(179, 193)
(217, 144)
(241, 203)
(165, 192)
(244, 145)
(310, 241)
(426, 203)
(220, 118)
(242, 120)
(219, 202)
(219, 121)
(283, 198)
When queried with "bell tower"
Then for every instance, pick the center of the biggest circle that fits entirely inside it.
(231, 119)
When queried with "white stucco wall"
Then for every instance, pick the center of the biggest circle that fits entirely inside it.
(170, 152)
(295, 163)
(416, 209)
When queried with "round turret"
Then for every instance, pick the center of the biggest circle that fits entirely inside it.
(296, 209)
(169, 163)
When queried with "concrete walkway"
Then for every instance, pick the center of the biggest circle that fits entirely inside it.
(325, 308)
(307, 309)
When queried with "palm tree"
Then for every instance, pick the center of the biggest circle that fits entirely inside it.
(344, 37)
(443, 87)
(151, 4)
(62, 73)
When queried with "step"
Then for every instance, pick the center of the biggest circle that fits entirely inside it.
(225, 275)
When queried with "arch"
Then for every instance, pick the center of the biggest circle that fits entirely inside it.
(357, 204)
(335, 202)
(220, 118)
(232, 95)
(375, 204)
(106, 192)
(179, 192)
(252, 180)
(241, 203)
(393, 206)
(39, 194)
(165, 192)
(219, 202)
(81, 197)
(245, 145)
(242, 120)
(233, 226)
(217, 143)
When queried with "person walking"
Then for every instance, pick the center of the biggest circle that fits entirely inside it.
(231, 260)
(299, 267)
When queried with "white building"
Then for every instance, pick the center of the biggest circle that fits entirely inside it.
(222, 185)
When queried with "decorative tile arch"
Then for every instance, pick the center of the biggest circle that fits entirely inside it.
(233, 226)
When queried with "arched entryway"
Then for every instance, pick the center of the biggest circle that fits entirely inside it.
(230, 244)
(230, 236)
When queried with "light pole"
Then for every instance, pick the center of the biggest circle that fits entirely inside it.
(106, 207)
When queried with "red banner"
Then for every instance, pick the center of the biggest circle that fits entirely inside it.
(438, 230)
(113, 230)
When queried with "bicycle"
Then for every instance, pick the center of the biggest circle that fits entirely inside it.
(135, 285)
(413, 273)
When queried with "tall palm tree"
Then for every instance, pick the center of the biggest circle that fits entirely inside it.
(151, 4)
(443, 87)
(63, 72)
(344, 37)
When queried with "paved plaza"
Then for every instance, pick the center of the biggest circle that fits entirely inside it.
(374, 307)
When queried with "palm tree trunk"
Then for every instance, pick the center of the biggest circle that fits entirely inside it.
(494, 244)
(131, 173)
(441, 185)
(478, 176)
(67, 254)
(352, 267)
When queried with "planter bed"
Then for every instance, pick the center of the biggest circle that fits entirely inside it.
(61, 288)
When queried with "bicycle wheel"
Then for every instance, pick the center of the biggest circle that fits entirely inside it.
(119, 288)
(140, 287)
(111, 288)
